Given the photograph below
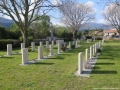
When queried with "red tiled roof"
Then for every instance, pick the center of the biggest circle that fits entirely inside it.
(110, 31)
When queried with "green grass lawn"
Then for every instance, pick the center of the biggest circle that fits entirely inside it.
(57, 72)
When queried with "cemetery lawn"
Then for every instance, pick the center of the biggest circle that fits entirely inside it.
(57, 72)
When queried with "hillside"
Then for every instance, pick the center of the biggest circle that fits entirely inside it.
(6, 22)
(93, 25)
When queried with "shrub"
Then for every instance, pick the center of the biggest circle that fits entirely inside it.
(98, 38)
(29, 49)
(88, 37)
(73, 46)
(98, 50)
(3, 43)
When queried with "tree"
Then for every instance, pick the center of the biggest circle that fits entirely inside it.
(107, 2)
(112, 14)
(74, 14)
(41, 27)
(16, 30)
(19, 11)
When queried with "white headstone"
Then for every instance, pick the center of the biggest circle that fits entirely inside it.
(40, 52)
(41, 43)
(91, 52)
(24, 56)
(22, 46)
(103, 40)
(80, 66)
(69, 45)
(51, 49)
(59, 45)
(86, 54)
(9, 49)
(53, 42)
(95, 46)
(88, 41)
(47, 44)
(76, 44)
(33, 46)
(73, 42)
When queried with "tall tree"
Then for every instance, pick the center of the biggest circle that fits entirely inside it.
(19, 11)
(41, 27)
(74, 14)
(112, 14)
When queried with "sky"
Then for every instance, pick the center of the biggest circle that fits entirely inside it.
(55, 16)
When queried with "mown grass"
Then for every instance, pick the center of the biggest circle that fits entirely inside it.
(57, 72)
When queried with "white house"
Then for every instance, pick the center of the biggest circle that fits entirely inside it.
(109, 33)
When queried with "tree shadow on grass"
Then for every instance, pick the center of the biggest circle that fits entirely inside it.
(58, 57)
(105, 58)
(96, 67)
(6, 57)
(105, 63)
(104, 72)
(65, 54)
(43, 63)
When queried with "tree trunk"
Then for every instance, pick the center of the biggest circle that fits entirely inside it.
(25, 39)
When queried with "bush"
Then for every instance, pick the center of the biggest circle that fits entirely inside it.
(29, 49)
(3, 43)
(98, 50)
(88, 37)
(98, 38)
(67, 39)
(73, 46)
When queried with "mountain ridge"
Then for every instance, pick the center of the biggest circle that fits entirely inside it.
(6, 22)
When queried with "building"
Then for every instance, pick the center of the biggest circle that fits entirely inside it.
(110, 33)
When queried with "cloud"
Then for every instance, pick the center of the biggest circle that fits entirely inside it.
(56, 2)
(89, 3)
(56, 22)
(104, 21)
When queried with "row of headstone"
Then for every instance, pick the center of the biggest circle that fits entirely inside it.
(24, 50)
(93, 50)
(40, 51)
(9, 46)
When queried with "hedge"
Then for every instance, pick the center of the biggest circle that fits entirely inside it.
(3, 43)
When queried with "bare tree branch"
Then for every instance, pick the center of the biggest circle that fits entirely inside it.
(20, 10)
(74, 14)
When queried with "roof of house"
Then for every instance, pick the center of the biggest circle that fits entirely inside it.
(110, 31)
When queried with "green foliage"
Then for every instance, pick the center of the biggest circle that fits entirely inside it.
(29, 49)
(63, 32)
(30, 38)
(40, 28)
(16, 31)
(98, 50)
(21, 39)
(78, 34)
(6, 33)
(88, 37)
(3, 43)
(73, 46)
